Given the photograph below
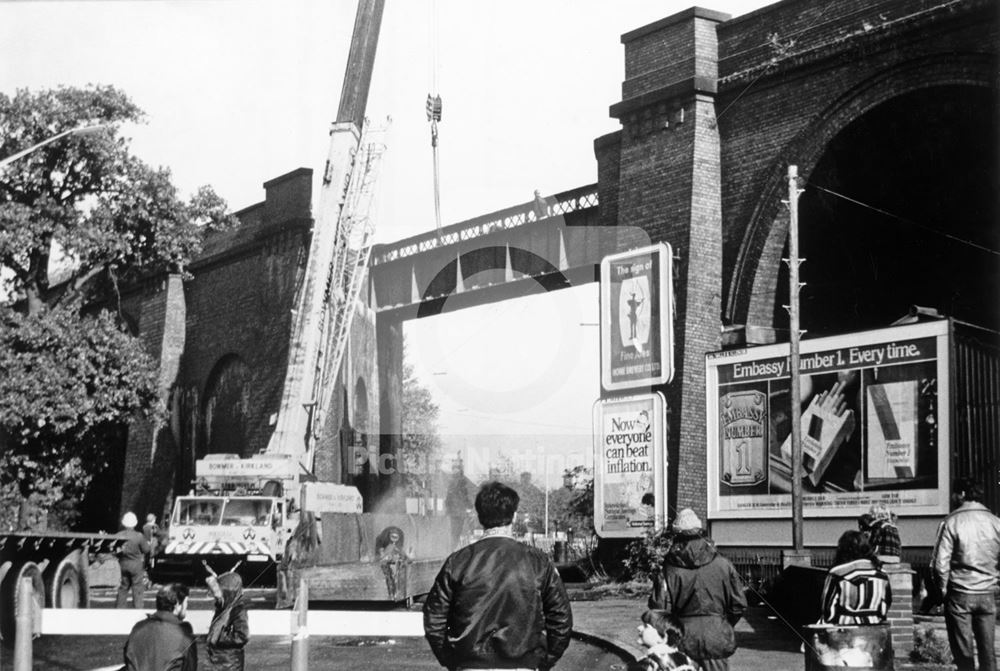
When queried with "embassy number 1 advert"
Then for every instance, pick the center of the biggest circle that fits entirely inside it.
(874, 425)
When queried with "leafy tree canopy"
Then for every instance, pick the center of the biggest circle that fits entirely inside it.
(578, 511)
(69, 372)
(88, 197)
(421, 440)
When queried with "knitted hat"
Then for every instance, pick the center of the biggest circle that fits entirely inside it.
(881, 512)
(129, 520)
(686, 520)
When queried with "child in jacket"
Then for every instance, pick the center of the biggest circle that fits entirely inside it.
(660, 635)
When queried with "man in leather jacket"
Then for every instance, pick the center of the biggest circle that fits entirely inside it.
(163, 641)
(965, 568)
(497, 603)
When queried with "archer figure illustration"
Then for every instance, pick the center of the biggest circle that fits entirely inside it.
(633, 314)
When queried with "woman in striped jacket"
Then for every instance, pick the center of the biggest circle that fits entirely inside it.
(856, 590)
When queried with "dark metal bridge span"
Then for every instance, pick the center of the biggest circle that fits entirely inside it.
(540, 245)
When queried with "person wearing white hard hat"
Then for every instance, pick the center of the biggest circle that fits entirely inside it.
(132, 556)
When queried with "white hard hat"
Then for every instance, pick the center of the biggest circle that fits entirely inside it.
(129, 520)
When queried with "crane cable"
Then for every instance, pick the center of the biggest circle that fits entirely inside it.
(433, 107)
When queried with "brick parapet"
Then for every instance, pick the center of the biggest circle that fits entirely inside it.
(791, 34)
(670, 59)
(677, 47)
(285, 212)
(288, 197)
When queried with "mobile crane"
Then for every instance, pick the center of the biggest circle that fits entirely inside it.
(264, 509)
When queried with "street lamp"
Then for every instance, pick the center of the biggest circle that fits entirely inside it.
(546, 496)
(82, 130)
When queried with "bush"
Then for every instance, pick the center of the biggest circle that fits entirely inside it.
(644, 556)
(621, 590)
(930, 645)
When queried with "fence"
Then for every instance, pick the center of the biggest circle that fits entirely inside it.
(572, 550)
(758, 567)
(32, 621)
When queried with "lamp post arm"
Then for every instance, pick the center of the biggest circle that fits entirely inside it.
(58, 136)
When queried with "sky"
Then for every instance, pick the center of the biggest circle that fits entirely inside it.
(237, 92)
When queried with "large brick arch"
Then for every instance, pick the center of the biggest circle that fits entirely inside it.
(225, 408)
(754, 282)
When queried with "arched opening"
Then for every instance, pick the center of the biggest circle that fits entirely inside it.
(915, 219)
(226, 408)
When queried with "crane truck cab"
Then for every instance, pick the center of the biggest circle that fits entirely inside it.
(238, 510)
(242, 510)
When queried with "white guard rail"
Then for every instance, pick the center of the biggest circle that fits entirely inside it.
(119, 622)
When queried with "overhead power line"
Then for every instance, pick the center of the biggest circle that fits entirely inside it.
(909, 222)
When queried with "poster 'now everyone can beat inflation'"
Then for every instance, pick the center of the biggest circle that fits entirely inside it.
(629, 465)
(874, 427)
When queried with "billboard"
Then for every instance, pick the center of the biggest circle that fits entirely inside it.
(637, 318)
(630, 465)
(874, 425)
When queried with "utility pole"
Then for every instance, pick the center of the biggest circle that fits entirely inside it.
(796, 391)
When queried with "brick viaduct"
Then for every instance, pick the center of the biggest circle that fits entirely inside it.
(890, 102)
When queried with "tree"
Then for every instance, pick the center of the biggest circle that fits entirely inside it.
(421, 441)
(578, 511)
(70, 372)
(531, 509)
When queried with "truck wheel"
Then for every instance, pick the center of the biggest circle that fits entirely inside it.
(63, 586)
(10, 592)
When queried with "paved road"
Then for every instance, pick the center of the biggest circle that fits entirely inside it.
(83, 653)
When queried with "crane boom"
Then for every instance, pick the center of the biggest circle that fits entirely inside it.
(338, 255)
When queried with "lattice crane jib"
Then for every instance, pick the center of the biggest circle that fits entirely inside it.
(349, 271)
(336, 271)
